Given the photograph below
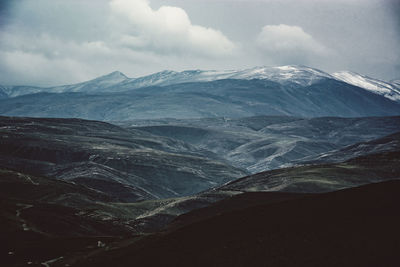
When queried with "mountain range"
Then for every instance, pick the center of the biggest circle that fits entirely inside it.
(301, 75)
(288, 90)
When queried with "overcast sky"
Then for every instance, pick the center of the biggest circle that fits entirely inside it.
(51, 42)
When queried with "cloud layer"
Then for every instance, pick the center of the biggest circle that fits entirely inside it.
(290, 45)
(167, 30)
(64, 44)
(49, 42)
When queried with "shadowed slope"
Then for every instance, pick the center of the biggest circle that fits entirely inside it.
(353, 227)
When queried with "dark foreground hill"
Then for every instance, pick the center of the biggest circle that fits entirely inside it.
(302, 179)
(45, 219)
(42, 218)
(352, 227)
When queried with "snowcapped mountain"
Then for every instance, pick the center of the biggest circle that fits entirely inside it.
(118, 82)
(301, 75)
(3, 93)
(386, 89)
(396, 83)
(293, 75)
(100, 84)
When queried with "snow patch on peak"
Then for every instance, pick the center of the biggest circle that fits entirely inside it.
(373, 85)
(286, 74)
(116, 74)
(110, 79)
(396, 83)
(286, 68)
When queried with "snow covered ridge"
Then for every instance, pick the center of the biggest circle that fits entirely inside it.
(291, 74)
(294, 74)
(391, 91)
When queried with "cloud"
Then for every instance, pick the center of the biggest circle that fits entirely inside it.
(51, 42)
(167, 30)
(285, 44)
(33, 68)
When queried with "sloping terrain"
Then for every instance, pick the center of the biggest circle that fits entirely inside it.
(325, 177)
(63, 222)
(125, 164)
(387, 143)
(100, 84)
(353, 227)
(3, 94)
(389, 90)
(42, 217)
(316, 178)
(269, 142)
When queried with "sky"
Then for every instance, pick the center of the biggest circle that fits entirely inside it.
(54, 42)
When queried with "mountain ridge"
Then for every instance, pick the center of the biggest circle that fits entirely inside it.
(290, 74)
(221, 98)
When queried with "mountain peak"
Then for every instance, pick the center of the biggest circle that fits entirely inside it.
(114, 74)
(109, 79)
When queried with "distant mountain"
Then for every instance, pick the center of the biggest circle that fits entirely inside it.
(221, 98)
(287, 90)
(3, 94)
(284, 75)
(301, 75)
(100, 84)
(391, 91)
(118, 82)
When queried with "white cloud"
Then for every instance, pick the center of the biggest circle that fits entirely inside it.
(167, 30)
(67, 45)
(285, 44)
(34, 68)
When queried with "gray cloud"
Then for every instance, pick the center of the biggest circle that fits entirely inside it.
(46, 42)
(61, 43)
(285, 44)
(167, 30)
